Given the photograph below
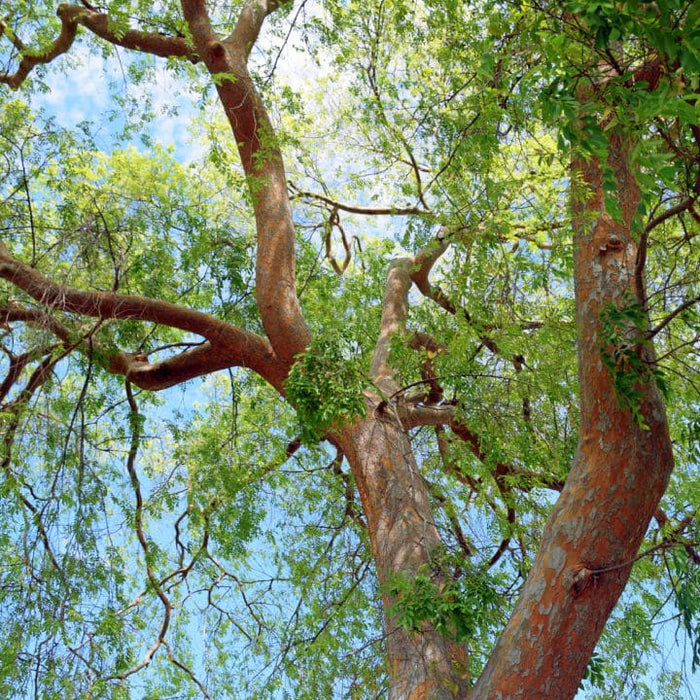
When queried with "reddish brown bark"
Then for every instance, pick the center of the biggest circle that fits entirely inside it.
(619, 474)
(226, 59)
(72, 16)
(400, 523)
(225, 345)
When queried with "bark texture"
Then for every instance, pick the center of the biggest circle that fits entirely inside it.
(226, 59)
(620, 470)
(619, 474)
(425, 665)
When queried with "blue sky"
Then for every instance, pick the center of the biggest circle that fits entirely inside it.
(83, 94)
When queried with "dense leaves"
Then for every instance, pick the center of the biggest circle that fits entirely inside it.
(208, 541)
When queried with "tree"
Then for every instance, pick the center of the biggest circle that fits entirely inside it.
(419, 416)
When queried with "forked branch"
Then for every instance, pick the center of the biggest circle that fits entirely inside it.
(225, 346)
(261, 157)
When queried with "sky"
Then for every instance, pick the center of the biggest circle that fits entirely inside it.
(84, 94)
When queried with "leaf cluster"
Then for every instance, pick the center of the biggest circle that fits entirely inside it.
(621, 340)
(459, 607)
(325, 386)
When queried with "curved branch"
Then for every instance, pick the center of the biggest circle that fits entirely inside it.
(153, 43)
(197, 362)
(394, 314)
(423, 264)
(98, 23)
(29, 61)
(678, 310)
(36, 318)
(250, 21)
(356, 209)
(227, 345)
(135, 420)
(418, 414)
(262, 162)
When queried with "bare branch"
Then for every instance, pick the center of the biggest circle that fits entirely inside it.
(423, 264)
(678, 310)
(153, 43)
(197, 362)
(394, 314)
(356, 209)
(250, 21)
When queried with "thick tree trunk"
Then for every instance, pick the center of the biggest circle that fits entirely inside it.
(619, 474)
(403, 535)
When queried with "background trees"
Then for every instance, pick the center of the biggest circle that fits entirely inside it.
(371, 313)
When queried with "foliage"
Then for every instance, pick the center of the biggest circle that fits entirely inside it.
(325, 387)
(459, 608)
(207, 510)
(686, 588)
(622, 339)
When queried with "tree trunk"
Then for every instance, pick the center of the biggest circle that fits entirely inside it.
(403, 535)
(619, 474)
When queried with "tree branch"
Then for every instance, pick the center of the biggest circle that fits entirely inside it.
(678, 310)
(262, 162)
(418, 414)
(355, 209)
(423, 264)
(394, 314)
(250, 21)
(73, 16)
(227, 345)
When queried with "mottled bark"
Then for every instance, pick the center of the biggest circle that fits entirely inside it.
(424, 665)
(619, 474)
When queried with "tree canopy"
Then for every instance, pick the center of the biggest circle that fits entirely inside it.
(380, 379)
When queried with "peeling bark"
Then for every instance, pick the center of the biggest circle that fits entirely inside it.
(619, 474)
(620, 469)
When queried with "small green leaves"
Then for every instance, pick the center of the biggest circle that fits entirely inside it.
(221, 78)
(686, 591)
(621, 339)
(325, 386)
(456, 608)
(595, 672)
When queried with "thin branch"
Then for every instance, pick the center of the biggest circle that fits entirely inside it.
(135, 420)
(679, 208)
(417, 414)
(356, 209)
(678, 310)
(334, 222)
(187, 670)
